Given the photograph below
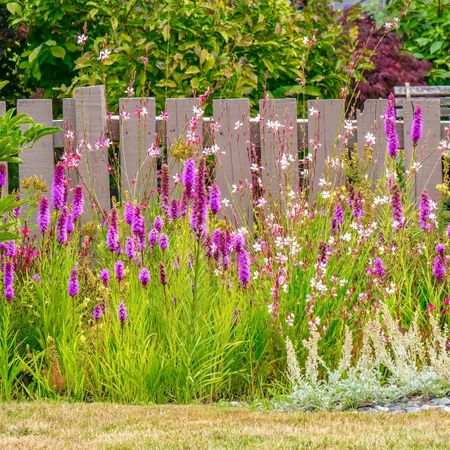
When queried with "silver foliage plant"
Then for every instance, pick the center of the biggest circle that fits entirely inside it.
(416, 366)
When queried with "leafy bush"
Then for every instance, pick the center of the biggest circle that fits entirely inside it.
(424, 32)
(236, 49)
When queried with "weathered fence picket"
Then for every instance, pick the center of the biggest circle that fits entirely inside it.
(137, 131)
(38, 160)
(233, 174)
(430, 174)
(371, 120)
(325, 125)
(279, 140)
(91, 120)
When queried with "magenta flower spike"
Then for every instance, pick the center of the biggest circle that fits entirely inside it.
(122, 314)
(144, 276)
(243, 261)
(214, 198)
(78, 202)
(73, 288)
(43, 218)
(417, 125)
(59, 188)
(119, 269)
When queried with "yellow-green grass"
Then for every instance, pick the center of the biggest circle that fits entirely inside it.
(73, 425)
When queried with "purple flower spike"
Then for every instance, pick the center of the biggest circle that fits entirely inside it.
(112, 235)
(165, 189)
(8, 274)
(105, 276)
(440, 248)
(78, 202)
(144, 276)
(239, 242)
(138, 228)
(153, 237)
(73, 283)
(243, 261)
(122, 314)
(391, 127)
(189, 175)
(199, 211)
(416, 126)
(378, 268)
(424, 211)
(9, 293)
(163, 241)
(439, 268)
(214, 198)
(174, 209)
(61, 226)
(119, 269)
(397, 208)
(97, 312)
(162, 274)
(448, 232)
(158, 224)
(43, 219)
(130, 247)
(129, 213)
(59, 188)
(70, 223)
(338, 218)
(11, 249)
(3, 173)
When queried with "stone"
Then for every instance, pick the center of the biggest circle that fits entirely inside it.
(440, 401)
(381, 408)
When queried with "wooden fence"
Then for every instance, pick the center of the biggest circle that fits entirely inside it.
(238, 134)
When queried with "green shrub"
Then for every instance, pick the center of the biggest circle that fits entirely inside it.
(241, 48)
(424, 29)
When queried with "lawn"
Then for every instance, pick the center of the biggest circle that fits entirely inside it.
(95, 425)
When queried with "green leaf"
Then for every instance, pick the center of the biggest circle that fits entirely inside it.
(436, 46)
(3, 84)
(34, 54)
(14, 9)
(166, 32)
(7, 236)
(58, 52)
(192, 70)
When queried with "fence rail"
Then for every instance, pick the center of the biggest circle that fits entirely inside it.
(239, 134)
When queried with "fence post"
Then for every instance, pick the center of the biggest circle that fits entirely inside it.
(278, 135)
(325, 124)
(371, 120)
(233, 174)
(91, 128)
(38, 160)
(427, 154)
(137, 133)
